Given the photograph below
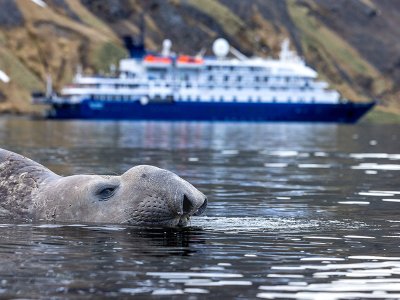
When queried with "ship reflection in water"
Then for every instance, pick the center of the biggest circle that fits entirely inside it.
(295, 212)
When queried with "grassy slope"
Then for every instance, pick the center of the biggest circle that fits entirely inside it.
(52, 43)
(329, 52)
(231, 23)
(319, 42)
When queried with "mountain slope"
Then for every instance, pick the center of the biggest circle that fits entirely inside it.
(354, 44)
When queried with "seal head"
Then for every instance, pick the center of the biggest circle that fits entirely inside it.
(143, 196)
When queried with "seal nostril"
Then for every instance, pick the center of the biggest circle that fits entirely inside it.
(186, 205)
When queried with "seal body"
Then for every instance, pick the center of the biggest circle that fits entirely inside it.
(144, 195)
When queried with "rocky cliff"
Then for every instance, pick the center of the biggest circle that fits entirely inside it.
(354, 44)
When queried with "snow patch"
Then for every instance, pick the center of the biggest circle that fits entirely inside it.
(4, 77)
(40, 3)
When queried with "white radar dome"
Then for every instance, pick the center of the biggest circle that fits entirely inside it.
(221, 48)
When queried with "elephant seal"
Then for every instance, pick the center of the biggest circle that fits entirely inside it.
(144, 195)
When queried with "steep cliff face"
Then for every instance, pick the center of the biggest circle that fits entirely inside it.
(354, 44)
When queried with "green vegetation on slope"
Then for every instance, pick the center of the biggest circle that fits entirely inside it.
(379, 116)
(230, 22)
(108, 54)
(339, 61)
(18, 72)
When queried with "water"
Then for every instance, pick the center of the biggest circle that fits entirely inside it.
(297, 211)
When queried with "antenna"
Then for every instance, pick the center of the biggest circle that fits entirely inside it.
(142, 28)
(166, 47)
(201, 53)
(288, 55)
(49, 86)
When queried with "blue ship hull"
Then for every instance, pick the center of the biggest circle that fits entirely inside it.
(212, 111)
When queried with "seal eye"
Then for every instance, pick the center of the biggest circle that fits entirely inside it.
(105, 193)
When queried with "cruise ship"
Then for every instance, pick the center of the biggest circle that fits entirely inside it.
(227, 86)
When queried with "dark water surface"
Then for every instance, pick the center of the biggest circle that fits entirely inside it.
(296, 212)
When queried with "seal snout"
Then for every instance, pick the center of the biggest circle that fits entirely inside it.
(161, 198)
(192, 205)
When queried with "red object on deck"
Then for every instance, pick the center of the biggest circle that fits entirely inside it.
(186, 59)
(157, 59)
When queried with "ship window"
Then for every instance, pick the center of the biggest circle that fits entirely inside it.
(226, 78)
(198, 98)
(221, 99)
(259, 99)
(256, 79)
(312, 99)
(234, 99)
(250, 99)
(239, 78)
(273, 99)
(209, 68)
(210, 78)
(189, 98)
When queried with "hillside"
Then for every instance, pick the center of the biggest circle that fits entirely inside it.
(354, 44)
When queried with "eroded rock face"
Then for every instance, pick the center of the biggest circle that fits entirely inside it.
(63, 7)
(110, 10)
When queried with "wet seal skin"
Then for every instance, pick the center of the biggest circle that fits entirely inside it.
(143, 196)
